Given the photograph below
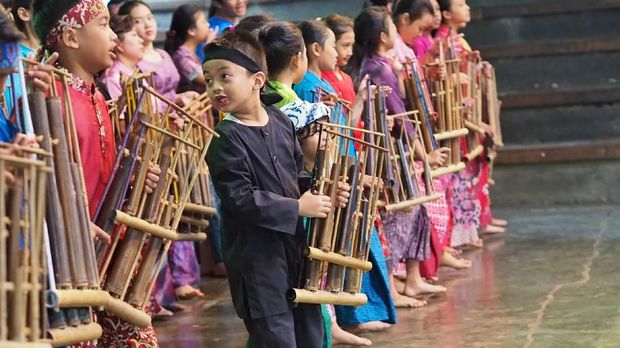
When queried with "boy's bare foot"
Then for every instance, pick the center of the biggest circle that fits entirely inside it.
(449, 260)
(492, 229)
(339, 336)
(187, 291)
(499, 222)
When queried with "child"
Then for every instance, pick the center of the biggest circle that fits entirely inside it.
(423, 44)
(411, 17)
(287, 64)
(470, 192)
(223, 14)
(165, 74)
(188, 29)
(407, 232)
(129, 52)
(79, 31)
(257, 170)
(345, 39)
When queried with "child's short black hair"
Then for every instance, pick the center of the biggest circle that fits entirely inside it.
(254, 22)
(245, 43)
(281, 41)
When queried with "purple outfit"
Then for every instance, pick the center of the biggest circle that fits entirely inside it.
(189, 67)
(165, 75)
(408, 233)
(112, 78)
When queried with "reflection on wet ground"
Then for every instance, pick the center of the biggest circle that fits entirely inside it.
(551, 281)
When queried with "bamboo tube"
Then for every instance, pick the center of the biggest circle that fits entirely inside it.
(195, 222)
(320, 297)
(406, 113)
(7, 344)
(451, 134)
(477, 151)
(411, 203)
(120, 217)
(199, 209)
(74, 335)
(474, 127)
(365, 131)
(335, 258)
(127, 312)
(435, 173)
(192, 237)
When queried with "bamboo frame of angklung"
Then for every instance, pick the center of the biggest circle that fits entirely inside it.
(401, 191)
(68, 245)
(473, 89)
(341, 241)
(142, 225)
(491, 115)
(447, 98)
(199, 208)
(22, 261)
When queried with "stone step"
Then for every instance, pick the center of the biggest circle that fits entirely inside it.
(557, 72)
(563, 26)
(484, 9)
(560, 152)
(561, 97)
(534, 126)
(551, 48)
(538, 185)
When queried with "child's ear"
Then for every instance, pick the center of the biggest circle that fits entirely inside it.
(24, 14)
(383, 38)
(446, 15)
(191, 32)
(70, 38)
(296, 59)
(316, 49)
(404, 19)
(259, 80)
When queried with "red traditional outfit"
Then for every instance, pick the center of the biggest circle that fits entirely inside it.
(97, 151)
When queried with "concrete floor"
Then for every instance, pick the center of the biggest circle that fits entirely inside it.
(552, 281)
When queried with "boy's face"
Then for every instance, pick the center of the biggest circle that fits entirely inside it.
(96, 42)
(231, 86)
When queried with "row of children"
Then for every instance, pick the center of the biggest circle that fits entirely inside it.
(263, 181)
(258, 164)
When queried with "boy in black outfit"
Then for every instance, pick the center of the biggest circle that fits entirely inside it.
(257, 170)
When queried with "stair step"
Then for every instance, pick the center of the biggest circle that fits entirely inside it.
(580, 96)
(514, 30)
(560, 152)
(483, 9)
(561, 124)
(558, 72)
(560, 183)
(550, 48)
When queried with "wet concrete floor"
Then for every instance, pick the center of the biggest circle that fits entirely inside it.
(552, 281)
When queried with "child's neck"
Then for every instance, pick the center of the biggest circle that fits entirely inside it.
(128, 62)
(286, 78)
(383, 52)
(221, 15)
(253, 113)
(78, 70)
(314, 67)
(456, 27)
(31, 41)
(191, 45)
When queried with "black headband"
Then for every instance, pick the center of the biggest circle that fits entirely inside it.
(214, 51)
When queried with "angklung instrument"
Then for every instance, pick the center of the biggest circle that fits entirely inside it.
(401, 189)
(491, 108)
(73, 283)
(143, 224)
(338, 246)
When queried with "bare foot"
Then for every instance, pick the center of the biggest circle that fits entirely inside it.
(402, 301)
(449, 260)
(187, 291)
(421, 287)
(492, 229)
(499, 222)
(454, 252)
(370, 326)
(477, 244)
(399, 285)
(339, 336)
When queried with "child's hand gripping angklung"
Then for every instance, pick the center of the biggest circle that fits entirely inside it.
(314, 206)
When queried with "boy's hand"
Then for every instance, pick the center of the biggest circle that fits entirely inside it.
(41, 74)
(314, 206)
(97, 233)
(343, 194)
(438, 157)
